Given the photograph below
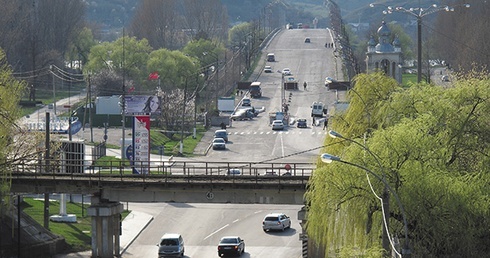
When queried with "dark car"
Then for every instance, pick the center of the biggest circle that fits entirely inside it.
(301, 123)
(231, 245)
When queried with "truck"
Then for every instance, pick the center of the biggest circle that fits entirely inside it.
(226, 104)
(255, 90)
(318, 109)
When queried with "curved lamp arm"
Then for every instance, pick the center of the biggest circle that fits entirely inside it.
(327, 158)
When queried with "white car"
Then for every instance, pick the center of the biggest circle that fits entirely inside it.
(276, 221)
(277, 125)
(267, 69)
(286, 71)
(219, 144)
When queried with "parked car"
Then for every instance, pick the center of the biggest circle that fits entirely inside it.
(219, 144)
(277, 125)
(276, 221)
(231, 245)
(267, 69)
(286, 71)
(221, 134)
(171, 245)
(307, 40)
(233, 172)
(445, 78)
(301, 123)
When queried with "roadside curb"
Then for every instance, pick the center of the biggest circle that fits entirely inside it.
(132, 226)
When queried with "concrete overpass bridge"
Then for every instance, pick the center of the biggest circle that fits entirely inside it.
(187, 182)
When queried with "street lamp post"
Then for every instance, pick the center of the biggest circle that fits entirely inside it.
(283, 91)
(217, 76)
(418, 13)
(327, 158)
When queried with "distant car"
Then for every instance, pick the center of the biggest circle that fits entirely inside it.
(286, 174)
(221, 134)
(219, 144)
(286, 71)
(328, 80)
(233, 172)
(445, 78)
(242, 114)
(246, 102)
(276, 221)
(231, 245)
(277, 125)
(301, 123)
(270, 173)
(267, 69)
(307, 40)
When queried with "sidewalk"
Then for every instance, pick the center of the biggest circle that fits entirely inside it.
(132, 226)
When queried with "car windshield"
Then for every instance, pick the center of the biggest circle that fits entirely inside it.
(169, 242)
(271, 219)
(218, 140)
(229, 241)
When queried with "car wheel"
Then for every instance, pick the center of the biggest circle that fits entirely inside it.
(283, 227)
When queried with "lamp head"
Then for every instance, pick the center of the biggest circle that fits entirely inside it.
(327, 158)
(334, 134)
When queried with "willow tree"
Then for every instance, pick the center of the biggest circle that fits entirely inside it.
(12, 147)
(432, 146)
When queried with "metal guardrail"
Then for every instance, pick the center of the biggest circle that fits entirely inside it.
(118, 174)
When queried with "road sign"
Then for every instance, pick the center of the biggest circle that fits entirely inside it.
(209, 195)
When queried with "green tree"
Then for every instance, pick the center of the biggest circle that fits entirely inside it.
(79, 49)
(129, 61)
(173, 67)
(432, 146)
(13, 146)
(206, 51)
(237, 36)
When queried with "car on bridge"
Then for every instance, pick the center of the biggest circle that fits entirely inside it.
(231, 245)
(276, 221)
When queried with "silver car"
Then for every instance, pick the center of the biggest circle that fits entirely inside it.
(219, 144)
(276, 221)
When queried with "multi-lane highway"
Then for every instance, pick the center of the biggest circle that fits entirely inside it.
(202, 225)
(254, 140)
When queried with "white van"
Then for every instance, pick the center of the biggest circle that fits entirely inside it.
(271, 57)
(171, 245)
(317, 109)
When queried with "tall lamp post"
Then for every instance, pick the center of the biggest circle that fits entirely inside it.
(217, 76)
(385, 198)
(327, 158)
(418, 13)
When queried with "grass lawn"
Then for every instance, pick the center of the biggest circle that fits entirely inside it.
(77, 235)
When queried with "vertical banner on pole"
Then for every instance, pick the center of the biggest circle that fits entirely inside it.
(141, 144)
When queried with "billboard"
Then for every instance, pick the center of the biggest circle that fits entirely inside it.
(142, 105)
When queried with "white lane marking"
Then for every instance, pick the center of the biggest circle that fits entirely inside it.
(223, 227)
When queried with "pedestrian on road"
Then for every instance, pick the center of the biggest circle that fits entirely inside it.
(304, 85)
(325, 123)
(313, 121)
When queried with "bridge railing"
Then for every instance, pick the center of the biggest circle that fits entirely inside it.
(190, 170)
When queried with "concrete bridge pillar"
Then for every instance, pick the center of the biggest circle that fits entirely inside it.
(106, 229)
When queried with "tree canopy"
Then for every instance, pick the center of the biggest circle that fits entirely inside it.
(432, 146)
